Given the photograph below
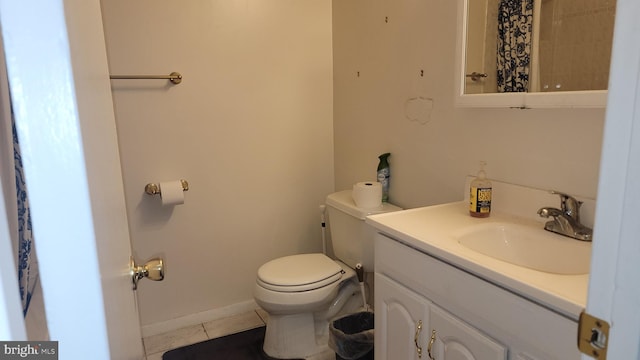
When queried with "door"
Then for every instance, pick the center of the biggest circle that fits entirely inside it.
(401, 321)
(61, 95)
(614, 293)
(12, 328)
(456, 340)
(10, 306)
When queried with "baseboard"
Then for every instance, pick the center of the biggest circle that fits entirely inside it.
(198, 318)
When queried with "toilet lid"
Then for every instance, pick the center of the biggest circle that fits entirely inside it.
(299, 273)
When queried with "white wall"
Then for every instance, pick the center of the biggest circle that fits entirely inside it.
(548, 149)
(250, 128)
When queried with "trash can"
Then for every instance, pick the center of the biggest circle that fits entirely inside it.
(351, 336)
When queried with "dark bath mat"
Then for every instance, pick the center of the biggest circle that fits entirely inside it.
(246, 345)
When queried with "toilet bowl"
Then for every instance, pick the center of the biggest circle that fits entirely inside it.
(302, 293)
(299, 314)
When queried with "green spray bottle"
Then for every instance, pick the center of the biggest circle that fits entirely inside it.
(383, 175)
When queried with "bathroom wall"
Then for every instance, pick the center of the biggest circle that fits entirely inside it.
(570, 33)
(250, 127)
(388, 52)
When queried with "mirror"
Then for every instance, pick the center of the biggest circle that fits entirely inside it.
(535, 47)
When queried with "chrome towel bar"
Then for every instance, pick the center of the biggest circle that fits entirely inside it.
(174, 77)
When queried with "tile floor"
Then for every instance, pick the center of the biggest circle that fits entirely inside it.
(157, 345)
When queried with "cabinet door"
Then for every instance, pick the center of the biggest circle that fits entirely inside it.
(456, 340)
(401, 321)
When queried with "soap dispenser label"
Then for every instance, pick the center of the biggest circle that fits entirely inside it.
(480, 200)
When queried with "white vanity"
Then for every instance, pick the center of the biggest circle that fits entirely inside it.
(436, 298)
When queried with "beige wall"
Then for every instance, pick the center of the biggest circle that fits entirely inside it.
(250, 128)
(548, 149)
(575, 40)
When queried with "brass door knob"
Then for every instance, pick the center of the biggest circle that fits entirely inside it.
(152, 269)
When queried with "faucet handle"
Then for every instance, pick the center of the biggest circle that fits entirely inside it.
(568, 204)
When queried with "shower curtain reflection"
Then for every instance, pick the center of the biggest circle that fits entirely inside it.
(27, 261)
(515, 20)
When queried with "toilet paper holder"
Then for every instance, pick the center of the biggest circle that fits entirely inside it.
(154, 189)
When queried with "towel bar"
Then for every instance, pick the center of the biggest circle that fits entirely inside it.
(174, 77)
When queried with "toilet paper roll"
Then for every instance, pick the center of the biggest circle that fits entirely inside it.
(367, 194)
(171, 193)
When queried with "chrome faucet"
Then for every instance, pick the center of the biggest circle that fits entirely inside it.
(566, 220)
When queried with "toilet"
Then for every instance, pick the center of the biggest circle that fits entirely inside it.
(302, 293)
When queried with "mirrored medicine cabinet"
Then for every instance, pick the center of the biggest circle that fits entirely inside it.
(534, 53)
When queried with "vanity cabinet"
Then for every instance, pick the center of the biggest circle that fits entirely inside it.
(408, 327)
(402, 317)
(416, 293)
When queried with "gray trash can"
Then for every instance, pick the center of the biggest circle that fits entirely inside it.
(351, 336)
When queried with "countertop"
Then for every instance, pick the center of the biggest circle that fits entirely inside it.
(429, 230)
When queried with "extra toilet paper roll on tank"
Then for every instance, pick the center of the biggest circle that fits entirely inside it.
(367, 194)
(172, 193)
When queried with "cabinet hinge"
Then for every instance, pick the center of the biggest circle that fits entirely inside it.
(593, 336)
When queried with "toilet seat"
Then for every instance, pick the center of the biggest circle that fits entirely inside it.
(297, 273)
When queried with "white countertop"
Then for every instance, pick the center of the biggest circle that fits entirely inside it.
(429, 230)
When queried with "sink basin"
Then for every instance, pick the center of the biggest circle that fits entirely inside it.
(528, 247)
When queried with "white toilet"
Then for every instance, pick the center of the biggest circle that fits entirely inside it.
(302, 293)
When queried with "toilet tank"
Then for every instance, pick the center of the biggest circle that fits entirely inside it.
(351, 238)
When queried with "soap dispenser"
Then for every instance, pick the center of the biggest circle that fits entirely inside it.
(480, 194)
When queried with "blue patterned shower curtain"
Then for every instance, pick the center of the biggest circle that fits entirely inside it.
(515, 19)
(27, 262)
